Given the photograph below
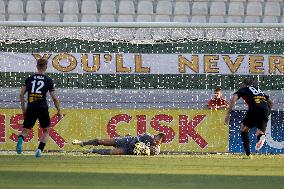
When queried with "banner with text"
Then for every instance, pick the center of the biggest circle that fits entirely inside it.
(127, 63)
(186, 130)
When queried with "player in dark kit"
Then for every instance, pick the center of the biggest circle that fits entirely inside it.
(37, 87)
(259, 107)
(128, 145)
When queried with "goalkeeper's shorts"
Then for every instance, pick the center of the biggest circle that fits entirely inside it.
(124, 143)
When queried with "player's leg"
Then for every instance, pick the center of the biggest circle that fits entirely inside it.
(25, 132)
(95, 142)
(247, 123)
(115, 151)
(261, 128)
(44, 121)
(106, 142)
(28, 124)
(21, 137)
(245, 139)
(42, 143)
(260, 136)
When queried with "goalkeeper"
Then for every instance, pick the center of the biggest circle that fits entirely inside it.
(140, 145)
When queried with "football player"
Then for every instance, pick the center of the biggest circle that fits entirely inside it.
(37, 86)
(126, 145)
(259, 107)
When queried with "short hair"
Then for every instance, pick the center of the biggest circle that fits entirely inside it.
(41, 63)
(248, 81)
(162, 136)
(217, 89)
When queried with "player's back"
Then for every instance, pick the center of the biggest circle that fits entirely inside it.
(146, 139)
(37, 87)
(253, 96)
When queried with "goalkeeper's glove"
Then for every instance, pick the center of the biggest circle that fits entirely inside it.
(141, 149)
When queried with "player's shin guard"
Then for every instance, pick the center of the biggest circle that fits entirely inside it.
(102, 151)
(245, 139)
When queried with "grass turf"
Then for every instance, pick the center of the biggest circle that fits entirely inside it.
(166, 171)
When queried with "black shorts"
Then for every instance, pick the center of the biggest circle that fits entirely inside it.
(257, 118)
(32, 114)
(125, 144)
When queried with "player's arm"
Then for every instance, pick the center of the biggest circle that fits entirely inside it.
(154, 150)
(232, 103)
(270, 103)
(224, 105)
(56, 102)
(211, 104)
(22, 99)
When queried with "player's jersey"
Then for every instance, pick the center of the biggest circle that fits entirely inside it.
(217, 102)
(146, 139)
(37, 87)
(253, 96)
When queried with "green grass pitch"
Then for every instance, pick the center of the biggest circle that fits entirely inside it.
(72, 171)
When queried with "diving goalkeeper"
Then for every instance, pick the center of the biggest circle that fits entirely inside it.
(140, 145)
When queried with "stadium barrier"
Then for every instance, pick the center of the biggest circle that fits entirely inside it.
(186, 130)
